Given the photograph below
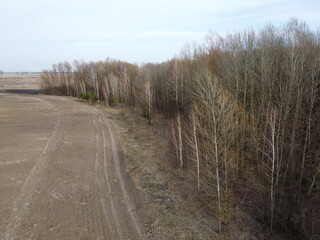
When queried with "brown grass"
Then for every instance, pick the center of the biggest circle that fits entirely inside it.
(174, 210)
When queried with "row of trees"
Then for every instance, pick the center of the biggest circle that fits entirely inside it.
(242, 107)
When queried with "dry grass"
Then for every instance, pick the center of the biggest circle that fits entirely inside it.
(172, 207)
(14, 81)
(174, 210)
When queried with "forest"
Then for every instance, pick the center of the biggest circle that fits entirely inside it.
(243, 112)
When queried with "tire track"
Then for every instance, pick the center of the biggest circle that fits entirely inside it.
(116, 160)
(92, 217)
(103, 199)
(114, 211)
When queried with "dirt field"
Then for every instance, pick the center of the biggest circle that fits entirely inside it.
(60, 170)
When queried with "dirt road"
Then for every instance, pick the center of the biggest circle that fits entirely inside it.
(60, 172)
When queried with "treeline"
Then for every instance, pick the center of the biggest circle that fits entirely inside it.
(243, 113)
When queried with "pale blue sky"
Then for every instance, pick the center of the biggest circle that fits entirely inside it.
(34, 34)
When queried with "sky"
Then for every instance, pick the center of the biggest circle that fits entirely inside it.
(34, 34)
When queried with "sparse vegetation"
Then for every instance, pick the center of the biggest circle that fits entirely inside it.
(243, 118)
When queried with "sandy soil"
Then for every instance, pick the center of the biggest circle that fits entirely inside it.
(61, 171)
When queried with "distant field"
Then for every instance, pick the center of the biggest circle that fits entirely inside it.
(14, 81)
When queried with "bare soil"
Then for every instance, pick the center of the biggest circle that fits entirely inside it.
(61, 171)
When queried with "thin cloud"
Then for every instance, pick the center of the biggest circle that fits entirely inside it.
(139, 31)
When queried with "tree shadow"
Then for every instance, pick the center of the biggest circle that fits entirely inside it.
(22, 91)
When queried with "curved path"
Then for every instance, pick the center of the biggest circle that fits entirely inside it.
(60, 174)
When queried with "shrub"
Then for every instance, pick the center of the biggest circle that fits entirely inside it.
(81, 95)
(86, 96)
(94, 98)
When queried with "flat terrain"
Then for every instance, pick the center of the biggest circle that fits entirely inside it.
(60, 169)
(19, 82)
